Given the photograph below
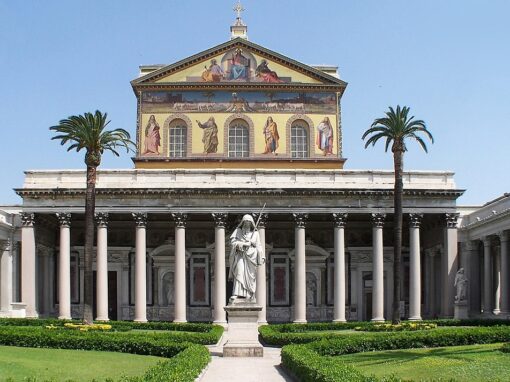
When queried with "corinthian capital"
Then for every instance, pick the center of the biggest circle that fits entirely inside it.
(378, 220)
(27, 219)
(451, 220)
(101, 219)
(340, 219)
(64, 219)
(415, 220)
(300, 220)
(220, 219)
(180, 219)
(140, 219)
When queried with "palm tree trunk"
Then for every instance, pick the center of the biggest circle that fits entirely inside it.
(90, 204)
(397, 234)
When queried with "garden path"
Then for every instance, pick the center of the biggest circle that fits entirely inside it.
(244, 369)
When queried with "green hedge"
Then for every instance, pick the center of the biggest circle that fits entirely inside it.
(505, 348)
(186, 359)
(315, 362)
(200, 333)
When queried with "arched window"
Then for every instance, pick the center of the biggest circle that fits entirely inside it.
(299, 139)
(238, 139)
(177, 139)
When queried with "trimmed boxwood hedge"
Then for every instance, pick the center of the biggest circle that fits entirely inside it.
(186, 362)
(286, 334)
(506, 348)
(314, 361)
(200, 333)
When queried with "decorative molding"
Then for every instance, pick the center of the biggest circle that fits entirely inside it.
(300, 220)
(27, 219)
(140, 219)
(64, 219)
(415, 220)
(220, 219)
(180, 219)
(340, 219)
(261, 219)
(101, 219)
(378, 220)
(5, 245)
(451, 220)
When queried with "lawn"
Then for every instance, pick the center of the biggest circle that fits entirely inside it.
(463, 363)
(18, 364)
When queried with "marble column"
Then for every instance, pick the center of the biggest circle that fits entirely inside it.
(28, 265)
(220, 281)
(260, 292)
(449, 266)
(497, 284)
(377, 267)
(102, 266)
(140, 268)
(505, 273)
(64, 267)
(487, 276)
(414, 267)
(180, 267)
(6, 250)
(340, 219)
(300, 268)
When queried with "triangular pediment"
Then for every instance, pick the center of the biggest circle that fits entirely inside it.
(238, 62)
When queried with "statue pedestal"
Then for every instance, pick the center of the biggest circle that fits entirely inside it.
(461, 310)
(243, 334)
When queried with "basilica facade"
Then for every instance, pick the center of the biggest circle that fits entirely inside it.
(232, 130)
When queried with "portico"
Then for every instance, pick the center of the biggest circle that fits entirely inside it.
(320, 244)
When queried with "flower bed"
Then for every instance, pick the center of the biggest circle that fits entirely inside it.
(403, 326)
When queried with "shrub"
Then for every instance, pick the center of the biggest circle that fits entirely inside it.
(403, 326)
(506, 348)
(185, 363)
(314, 361)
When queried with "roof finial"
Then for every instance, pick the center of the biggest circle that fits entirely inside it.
(238, 8)
(239, 28)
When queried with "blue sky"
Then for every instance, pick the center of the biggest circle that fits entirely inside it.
(448, 60)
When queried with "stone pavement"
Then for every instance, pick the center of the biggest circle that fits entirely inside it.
(255, 369)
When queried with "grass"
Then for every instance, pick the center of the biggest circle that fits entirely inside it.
(471, 363)
(20, 364)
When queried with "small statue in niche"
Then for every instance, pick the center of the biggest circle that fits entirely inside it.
(461, 283)
(168, 288)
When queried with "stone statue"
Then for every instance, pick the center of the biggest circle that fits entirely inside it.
(461, 282)
(246, 254)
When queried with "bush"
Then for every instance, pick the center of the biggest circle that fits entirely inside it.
(185, 363)
(403, 326)
(505, 348)
(315, 362)
(200, 333)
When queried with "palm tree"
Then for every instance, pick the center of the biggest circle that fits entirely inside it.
(88, 132)
(396, 128)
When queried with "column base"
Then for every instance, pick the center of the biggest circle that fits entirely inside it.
(378, 319)
(140, 320)
(102, 319)
(221, 323)
(339, 320)
(496, 312)
(415, 318)
(179, 321)
(299, 321)
(65, 318)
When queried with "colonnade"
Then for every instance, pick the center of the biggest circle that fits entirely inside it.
(219, 300)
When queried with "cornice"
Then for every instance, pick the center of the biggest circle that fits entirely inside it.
(238, 86)
(63, 192)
